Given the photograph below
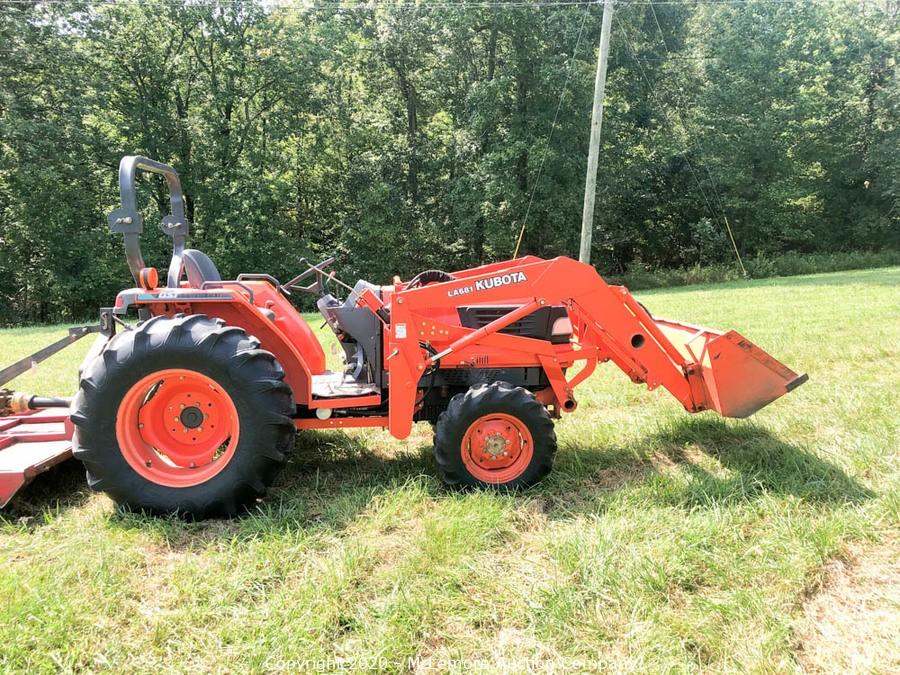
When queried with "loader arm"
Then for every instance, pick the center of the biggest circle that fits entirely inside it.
(704, 369)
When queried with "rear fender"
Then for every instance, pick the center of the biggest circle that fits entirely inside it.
(270, 318)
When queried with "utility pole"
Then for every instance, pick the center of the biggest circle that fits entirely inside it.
(590, 182)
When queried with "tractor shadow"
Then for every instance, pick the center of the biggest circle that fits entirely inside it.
(56, 491)
(330, 480)
(698, 463)
(333, 478)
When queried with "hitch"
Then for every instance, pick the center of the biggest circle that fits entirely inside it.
(18, 402)
(34, 436)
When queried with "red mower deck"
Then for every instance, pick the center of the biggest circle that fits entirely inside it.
(31, 443)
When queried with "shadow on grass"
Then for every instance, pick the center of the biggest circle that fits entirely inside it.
(56, 491)
(332, 477)
(759, 462)
(700, 462)
(695, 463)
(329, 481)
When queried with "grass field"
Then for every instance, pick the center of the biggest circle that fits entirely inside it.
(662, 541)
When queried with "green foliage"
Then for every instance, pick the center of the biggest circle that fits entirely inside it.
(405, 137)
(759, 267)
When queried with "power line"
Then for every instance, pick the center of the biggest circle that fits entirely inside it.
(712, 181)
(322, 5)
(690, 3)
(652, 92)
(562, 95)
(662, 37)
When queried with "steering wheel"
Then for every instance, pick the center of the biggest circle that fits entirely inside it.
(319, 287)
(429, 277)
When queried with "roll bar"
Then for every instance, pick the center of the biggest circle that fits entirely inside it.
(127, 221)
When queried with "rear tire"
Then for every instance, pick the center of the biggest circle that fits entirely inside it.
(183, 416)
(495, 436)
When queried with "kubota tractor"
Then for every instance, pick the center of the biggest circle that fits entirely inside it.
(193, 409)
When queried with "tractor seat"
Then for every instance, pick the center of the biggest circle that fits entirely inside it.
(199, 267)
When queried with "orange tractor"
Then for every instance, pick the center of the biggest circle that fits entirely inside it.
(193, 409)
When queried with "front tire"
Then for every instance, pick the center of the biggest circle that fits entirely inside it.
(183, 416)
(495, 436)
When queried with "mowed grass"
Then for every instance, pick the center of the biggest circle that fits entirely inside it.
(662, 541)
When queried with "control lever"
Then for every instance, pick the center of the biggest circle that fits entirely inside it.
(371, 301)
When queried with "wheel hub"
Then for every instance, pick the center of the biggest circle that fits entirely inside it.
(497, 448)
(191, 417)
(495, 445)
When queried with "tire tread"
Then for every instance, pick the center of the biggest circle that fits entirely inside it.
(267, 430)
(477, 401)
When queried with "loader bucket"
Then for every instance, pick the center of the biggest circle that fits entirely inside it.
(738, 377)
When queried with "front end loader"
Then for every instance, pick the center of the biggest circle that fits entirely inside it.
(193, 409)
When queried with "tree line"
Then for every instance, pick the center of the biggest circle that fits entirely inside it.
(405, 136)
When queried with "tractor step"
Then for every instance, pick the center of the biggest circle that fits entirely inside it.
(31, 443)
(340, 385)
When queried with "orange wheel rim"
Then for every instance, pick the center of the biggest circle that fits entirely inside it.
(177, 428)
(497, 448)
